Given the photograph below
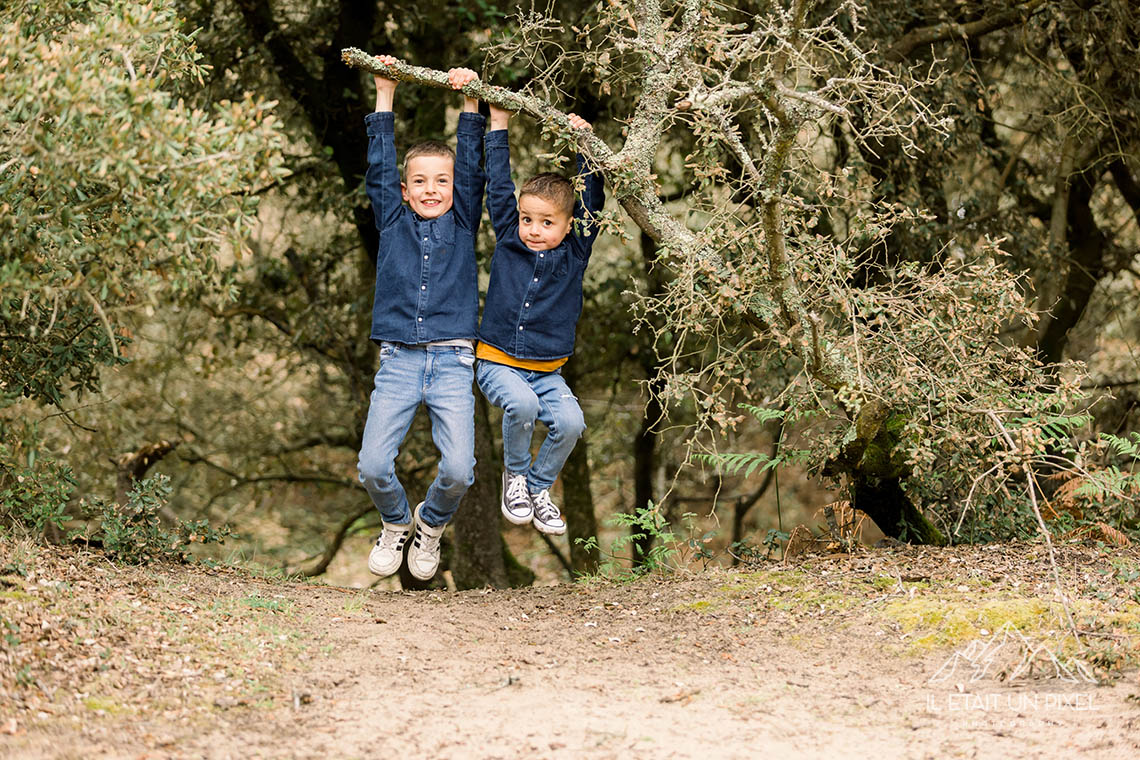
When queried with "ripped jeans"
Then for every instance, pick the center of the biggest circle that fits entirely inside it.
(438, 377)
(526, 396)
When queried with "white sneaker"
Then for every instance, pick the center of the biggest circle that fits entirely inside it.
(547, 517)
(516, 504)
(423, 554)
(388, 553)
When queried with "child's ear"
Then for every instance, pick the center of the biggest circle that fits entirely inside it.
(404, 191)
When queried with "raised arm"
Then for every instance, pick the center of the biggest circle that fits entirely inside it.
(469, 177)
(382, 179)
(501, 202)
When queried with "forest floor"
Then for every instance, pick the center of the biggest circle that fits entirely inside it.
(893, 653)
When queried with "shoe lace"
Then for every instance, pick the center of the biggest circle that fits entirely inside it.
(516, 490)
(427, 542)
(392, 539)
(544, 507)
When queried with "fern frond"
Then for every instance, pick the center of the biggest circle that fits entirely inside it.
(733, 463)
(1098, 532)
(1112, 535)
(762, 414)
(1103, 483)
(1123, 446)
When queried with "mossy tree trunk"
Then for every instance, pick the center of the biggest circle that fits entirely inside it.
(874, 468)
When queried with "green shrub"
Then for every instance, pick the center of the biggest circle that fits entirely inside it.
(33, 494)
(134, 533)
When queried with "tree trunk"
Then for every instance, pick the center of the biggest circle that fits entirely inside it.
(481, 557)
(644, 464)
(645, 444)
(875, 468)
(478, 557)
(577, 498)
(1087, 249)
(883, 500)
(742, 506)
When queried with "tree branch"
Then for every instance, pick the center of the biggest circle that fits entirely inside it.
(337, 540)
(928, 35)
(1126, 184)
(343, 440)
(241, 480)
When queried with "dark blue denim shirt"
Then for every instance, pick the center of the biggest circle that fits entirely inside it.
(426, 276)
(534, 298)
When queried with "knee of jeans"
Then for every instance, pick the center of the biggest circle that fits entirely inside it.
(456, 476)
(569, 424)
(375, 470)
(522, 408)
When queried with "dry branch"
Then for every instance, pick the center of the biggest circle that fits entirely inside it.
(928, 35)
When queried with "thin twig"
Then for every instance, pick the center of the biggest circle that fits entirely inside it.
(106, 322)
(1032, 483)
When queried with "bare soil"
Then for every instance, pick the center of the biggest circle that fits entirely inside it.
(898, 653)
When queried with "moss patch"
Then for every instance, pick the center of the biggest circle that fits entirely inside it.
(947, 622)
(701, 605)
(103, 705)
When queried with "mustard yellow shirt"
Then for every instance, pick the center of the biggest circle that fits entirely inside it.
(492, 354)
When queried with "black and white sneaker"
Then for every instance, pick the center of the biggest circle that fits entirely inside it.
(516, 504)
(388, 553)
(423, 554)
(547, 517)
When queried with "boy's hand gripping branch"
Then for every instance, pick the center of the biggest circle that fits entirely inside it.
(390, 68)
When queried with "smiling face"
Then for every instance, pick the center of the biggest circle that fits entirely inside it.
(427, 185)
(542, 224)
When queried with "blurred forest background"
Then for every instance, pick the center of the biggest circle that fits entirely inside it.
(949, 342)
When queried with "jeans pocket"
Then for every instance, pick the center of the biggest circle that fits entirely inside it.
(466, 358)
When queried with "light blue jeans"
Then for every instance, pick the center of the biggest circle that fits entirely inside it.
(526, 396)
(440, 379)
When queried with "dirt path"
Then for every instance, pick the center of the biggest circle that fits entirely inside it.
(828, 659)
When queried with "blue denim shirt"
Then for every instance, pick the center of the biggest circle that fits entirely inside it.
(426, 276)
(534, 298)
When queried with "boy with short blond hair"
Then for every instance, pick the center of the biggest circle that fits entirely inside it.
(533, 302)
(424, 319)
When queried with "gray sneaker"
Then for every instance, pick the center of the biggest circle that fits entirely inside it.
(388, 553)
(547, 517)
(423, 554)
(516, 504)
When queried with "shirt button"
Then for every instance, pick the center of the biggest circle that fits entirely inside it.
(425, 257)
(520, 327)
(425, 239)
(419, 319)
(526, 305)
(542, 255)
(535, 279)
(423, 287)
